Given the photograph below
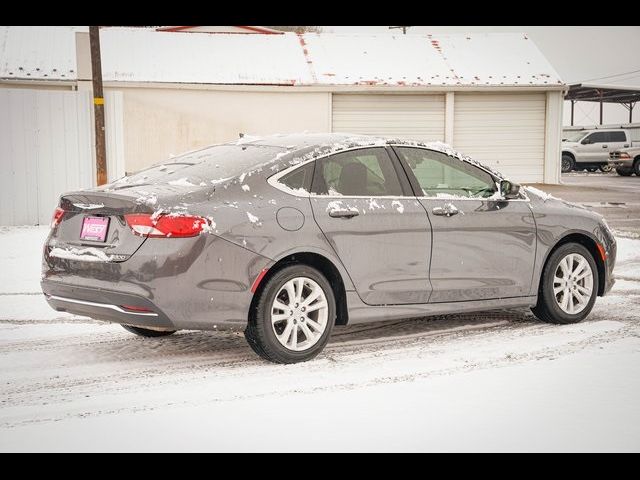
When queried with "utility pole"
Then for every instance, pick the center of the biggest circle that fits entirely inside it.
(98, 105)
(403, 27)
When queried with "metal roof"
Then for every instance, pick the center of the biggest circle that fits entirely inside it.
(146, 55)
(591, 92)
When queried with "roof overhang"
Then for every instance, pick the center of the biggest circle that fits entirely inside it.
(587, 92)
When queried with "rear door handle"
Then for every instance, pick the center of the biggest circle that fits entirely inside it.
(343, 213)
(445, 211)
(625, 145)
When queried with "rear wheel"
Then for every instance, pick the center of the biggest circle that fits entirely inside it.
(568, 287)
(605, 168)
(294, 316)
(636, 167)
(567, 163)
(145, 332)
(624, 172)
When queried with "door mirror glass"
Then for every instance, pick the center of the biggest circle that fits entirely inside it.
(509, 190)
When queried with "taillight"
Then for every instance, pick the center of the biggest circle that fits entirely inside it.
(58, 213)
(165, 226)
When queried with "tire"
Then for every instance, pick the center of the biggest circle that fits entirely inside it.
(145, 332)
(636, 167)
(605, 168)
(266, 338)
(548, 308)
(568, 163)
(624, 172)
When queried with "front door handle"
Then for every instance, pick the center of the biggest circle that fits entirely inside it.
(626, 145)
(343, 213)
(445, 211)
(605, 146)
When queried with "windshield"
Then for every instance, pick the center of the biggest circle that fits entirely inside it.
(574, 136)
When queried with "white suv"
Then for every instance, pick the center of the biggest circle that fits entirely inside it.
(590, 148)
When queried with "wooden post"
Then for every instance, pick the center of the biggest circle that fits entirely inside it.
(631, 105)
(98, 105)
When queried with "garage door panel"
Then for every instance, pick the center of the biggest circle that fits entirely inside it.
(419, 117)
(505, 131)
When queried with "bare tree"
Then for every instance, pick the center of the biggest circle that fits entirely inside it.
(298, 29)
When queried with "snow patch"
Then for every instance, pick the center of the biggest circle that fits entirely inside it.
(540, 193)
(146, 198)
(89, 206)
(89, 254)
(253, 219)
(246, 188)
(399, 206)
(182, 182)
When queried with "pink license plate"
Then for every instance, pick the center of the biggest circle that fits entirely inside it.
(94, 228)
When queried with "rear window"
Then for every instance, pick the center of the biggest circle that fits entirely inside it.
(206, 166)
(300, 178)
(617, 137)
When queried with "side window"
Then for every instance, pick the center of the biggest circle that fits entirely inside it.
(299, 179)
(363, 172)
(439, 174)
(599, 137)
(617, 137)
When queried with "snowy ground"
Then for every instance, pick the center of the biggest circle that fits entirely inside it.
(480, 382)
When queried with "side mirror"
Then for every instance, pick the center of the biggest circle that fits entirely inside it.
(586, 141)
(509, 190)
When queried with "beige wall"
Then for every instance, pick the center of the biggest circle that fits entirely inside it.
(159, 122)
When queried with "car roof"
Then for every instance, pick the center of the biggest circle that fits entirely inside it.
(297, 141)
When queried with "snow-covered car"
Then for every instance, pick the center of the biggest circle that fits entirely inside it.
(286, 236)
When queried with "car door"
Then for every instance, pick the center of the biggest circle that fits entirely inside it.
(595, 149)
(483, 247)
(363, 203)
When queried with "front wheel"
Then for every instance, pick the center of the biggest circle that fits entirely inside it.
(567, 163)
(605, 168)
(568, 286)
(293, 317)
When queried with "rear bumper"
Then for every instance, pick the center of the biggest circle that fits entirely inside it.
(105, 305)
(198, 283)
(621, 163)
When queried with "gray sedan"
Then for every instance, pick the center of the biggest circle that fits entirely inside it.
(289, 235)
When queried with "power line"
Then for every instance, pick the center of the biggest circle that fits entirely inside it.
(610, 76)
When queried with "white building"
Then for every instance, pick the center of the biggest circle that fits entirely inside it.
(492, 96)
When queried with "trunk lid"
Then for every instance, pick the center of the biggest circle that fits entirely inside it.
(119, 241)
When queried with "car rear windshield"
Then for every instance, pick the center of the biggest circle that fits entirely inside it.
(209, 165)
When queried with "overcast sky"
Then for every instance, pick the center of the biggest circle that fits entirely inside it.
(578, 54)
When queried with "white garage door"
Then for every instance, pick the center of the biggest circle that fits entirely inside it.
(417, 117)
(505, 131)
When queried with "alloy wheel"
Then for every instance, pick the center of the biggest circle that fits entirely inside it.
(573, 283)
(299, 314)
